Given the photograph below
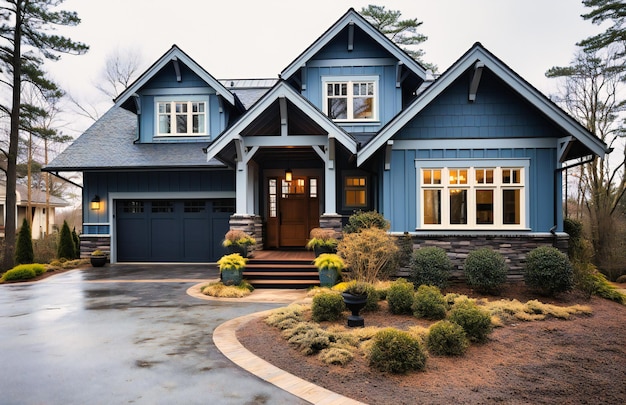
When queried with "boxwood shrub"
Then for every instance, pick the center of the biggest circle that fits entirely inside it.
(400, 297)
(548, 270)
(474, 320)
(396, 351)
(431, 266)
(327, 306)
(429, 303)
(447, 338)
(485, 269)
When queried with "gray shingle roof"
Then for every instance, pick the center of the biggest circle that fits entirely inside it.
(109, 144)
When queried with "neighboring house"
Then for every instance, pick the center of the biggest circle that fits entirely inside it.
(473, 157)
(38, 212)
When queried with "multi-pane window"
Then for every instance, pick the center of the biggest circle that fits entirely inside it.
(353, 100)
(185, 118)
(355, 190)
(472, 197)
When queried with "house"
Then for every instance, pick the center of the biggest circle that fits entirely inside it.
(43, 222)
(471, 158)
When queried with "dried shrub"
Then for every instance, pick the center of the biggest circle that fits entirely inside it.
(396, 351)
(429, 303)
(366, 253)
(400, 297)
(474, 320)
(308, 337)
(327, 307)
(548, 270)
(485, 269)
(447, 339)
(431, 266)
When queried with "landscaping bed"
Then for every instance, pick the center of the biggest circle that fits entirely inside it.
(580, 360)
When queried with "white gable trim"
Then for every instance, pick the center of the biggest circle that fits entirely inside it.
(177, 56)
(280, 91)
(523, 88)
(352, 18)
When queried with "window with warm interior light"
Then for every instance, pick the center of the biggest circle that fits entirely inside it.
(472, 197)
(355, 191)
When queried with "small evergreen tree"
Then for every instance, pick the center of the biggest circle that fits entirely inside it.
(66, 248)
(76, 241)
(24, 250)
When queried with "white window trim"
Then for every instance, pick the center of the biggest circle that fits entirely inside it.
(498, 164)
(349, 80)
(178, 99)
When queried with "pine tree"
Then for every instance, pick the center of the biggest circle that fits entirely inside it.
(603, 10)
(25, 42)
(402, 32)
(66, 248)
(24, 250)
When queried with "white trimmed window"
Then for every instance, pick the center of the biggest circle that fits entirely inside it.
(351, 100)
(181, 118)
(472, 197)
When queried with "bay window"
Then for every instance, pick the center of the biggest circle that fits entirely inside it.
(472, 197)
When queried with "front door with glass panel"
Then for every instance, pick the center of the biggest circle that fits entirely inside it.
(292, 211)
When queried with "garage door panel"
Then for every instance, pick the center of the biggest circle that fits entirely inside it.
(166, 240)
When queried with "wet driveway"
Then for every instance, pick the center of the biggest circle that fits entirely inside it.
(122, 334)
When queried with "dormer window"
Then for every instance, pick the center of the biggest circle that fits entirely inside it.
(351, 99)
(181, 118)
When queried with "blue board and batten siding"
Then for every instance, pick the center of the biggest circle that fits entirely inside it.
(498, 125)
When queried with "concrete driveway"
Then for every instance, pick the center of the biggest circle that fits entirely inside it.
(122, 334)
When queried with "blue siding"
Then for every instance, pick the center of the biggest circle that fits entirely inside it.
(399, 188)
(498, 112)
(101, 184)
(363, 47)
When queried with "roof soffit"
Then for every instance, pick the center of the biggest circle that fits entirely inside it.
(521, 87)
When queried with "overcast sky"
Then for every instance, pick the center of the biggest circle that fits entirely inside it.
(259, 38)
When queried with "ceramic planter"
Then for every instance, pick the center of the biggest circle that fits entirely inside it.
(241, 249)
(98, 261)
(328, 277)
(318, 250)
(232, 276)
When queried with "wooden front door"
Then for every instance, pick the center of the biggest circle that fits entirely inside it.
(292, 211)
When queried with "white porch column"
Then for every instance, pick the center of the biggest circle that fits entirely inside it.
(241, 189)
(330, 189)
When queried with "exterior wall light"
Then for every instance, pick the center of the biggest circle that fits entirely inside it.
(95, 203)
(288, 175)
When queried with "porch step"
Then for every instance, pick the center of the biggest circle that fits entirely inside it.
(277, 273)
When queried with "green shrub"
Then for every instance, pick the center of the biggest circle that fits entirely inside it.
(367, 253)
(590, 281)
(429, 303)
(365, 219)
(19, 274)
(66, 248)
(396, 351)
(327, 307)
(76, 241)
(485, 269)
(24, 248)
(475, 321)
(431, 266)
(548, 270)
(447, 338)
(400, 296)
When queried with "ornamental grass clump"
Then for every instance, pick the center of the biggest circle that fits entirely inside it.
(327, 306)
(237, 237)
(429, 303)
(396, 351)
(485, 269)
(322, 238)
(548, 271)
(400, 297)
(447, 338)
(474, 320)
(431, 266)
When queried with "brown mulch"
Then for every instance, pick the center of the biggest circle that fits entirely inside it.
(577, 361)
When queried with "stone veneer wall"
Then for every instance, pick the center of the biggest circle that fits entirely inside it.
(90, 243)
(332, 221)
(251, 224)
(513, 248)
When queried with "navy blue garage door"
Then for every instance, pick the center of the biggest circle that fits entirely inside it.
(171, 230)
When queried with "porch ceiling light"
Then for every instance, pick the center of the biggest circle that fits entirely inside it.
(288, 175)
(95, 203)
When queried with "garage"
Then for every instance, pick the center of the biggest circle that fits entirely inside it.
(156, 230)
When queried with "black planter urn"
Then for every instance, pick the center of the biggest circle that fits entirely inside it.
(355, 303)
(98, 261)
